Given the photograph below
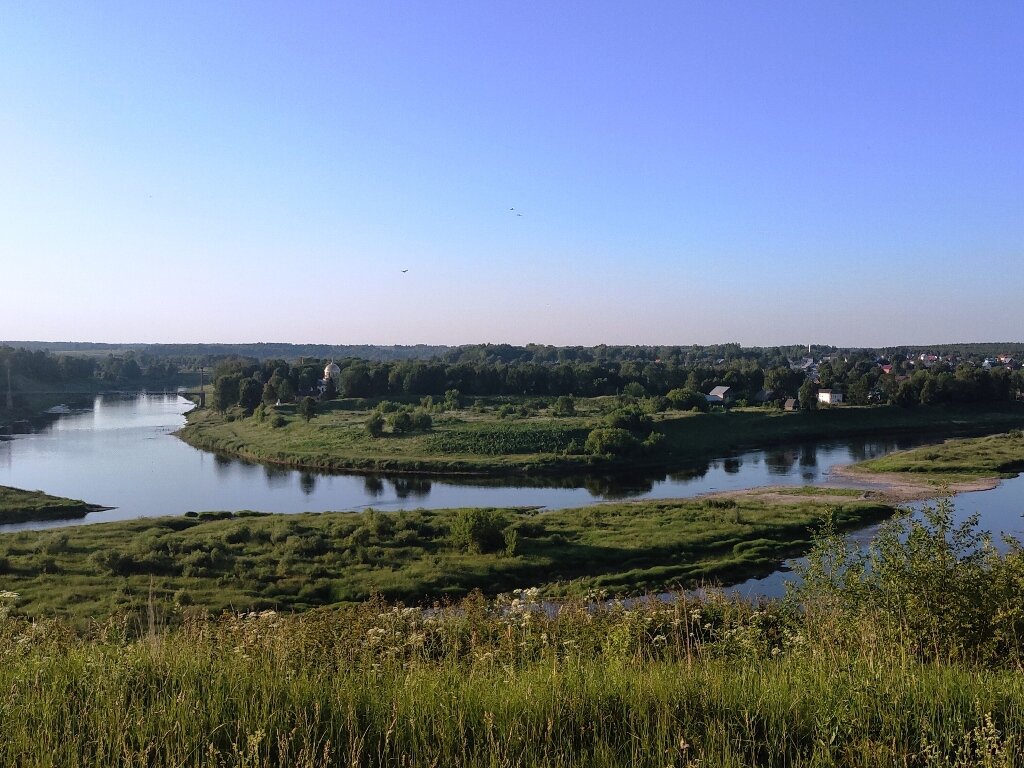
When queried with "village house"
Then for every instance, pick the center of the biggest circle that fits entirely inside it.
(720, 396)
(829, 396)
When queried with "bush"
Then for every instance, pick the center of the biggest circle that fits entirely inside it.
(564, 406)
(400, 422)
(612, 441)
(925, 585)
(687, 400)
(480, 530)
(375, 425)
(630, 418)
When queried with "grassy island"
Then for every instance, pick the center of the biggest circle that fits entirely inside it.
(999, 455)
(295, 562)
(510, 436)
(18, 506)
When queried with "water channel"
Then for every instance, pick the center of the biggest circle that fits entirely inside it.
(121, 453)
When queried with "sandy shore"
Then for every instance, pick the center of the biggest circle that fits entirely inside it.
(905, 486)
(886, 487)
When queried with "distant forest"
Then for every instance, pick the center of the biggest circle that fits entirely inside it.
(950, 373)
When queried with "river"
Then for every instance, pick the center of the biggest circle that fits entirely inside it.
(121, 453)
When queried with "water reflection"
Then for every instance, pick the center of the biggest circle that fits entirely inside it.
(373, 486)
(808, 456)
(122, 455)
(276, 476)
(411, 487)
(780, 461)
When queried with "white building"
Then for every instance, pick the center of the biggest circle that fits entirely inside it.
(829, 396)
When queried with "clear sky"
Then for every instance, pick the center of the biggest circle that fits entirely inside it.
(687, 172)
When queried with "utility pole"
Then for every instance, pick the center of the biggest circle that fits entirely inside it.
(202, 394)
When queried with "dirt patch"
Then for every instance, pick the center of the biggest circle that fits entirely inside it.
(902, 486)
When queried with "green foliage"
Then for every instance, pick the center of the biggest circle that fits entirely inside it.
(808, 395)
(924, 584)
(375, 425)
(631, 418)
(687, 399)
(307, 408)
(613, 442)
(480, 530)
(565, 405)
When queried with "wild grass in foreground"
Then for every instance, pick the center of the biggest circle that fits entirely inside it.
(915, 662)
(244, 561)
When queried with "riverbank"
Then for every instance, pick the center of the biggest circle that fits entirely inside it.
(254, 561)
(959, 465)
(18, 506)
(485, 443)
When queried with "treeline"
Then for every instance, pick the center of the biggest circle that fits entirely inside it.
(863, 381)
(42, 367)
(209, 354)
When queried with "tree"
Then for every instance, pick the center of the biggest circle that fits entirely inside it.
(269, 396)
(250, 393)
(375, 425)
(400, 421)
(285, 391)
(809, 395)
(452, 400)
(307, 408)
(564, 406)
(225, 392)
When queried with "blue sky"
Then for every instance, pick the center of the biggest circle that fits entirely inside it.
(850, 174)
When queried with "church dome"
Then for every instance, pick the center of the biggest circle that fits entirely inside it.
(331, 370)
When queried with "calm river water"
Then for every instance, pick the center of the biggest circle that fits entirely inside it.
(121, 454)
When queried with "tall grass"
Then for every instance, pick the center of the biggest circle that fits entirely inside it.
(831, 677)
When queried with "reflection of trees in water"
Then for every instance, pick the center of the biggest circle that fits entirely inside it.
(780, 461)
(808, 475)
(373, 485)
(732, 466)
(808, 455)
(619, 486)
(307, 482)
(690, 473)
(222, 464)
(417, 487)
(276, 476)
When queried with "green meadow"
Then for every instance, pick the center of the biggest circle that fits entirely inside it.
(525, 436)
(249, 561)
(999, 455)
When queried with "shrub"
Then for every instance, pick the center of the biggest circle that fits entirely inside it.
(630, 418)
(400, 422)
(480, 530)
(375, 425)
(564, 406)
(687, 400)
(612, 441)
